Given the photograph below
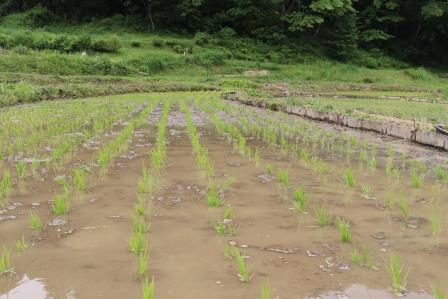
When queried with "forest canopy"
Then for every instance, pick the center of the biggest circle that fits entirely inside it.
(412, 30)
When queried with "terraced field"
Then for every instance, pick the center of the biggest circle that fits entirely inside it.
(186, 195)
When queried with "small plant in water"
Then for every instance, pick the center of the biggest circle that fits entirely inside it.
(366, 190)
(323, 216)
(269, 170)
(438, 292)
(362, 255)
(404, 207)
(436, 218)
(21, 170)
(213, 198)
(344, 229)
(265, 292)
(243, 272)
(397, 275)
(79, 179)
(283, 178)
(143, 263)
(137, 244)
(148, 289)
(36, 223)
(300, 199)
(349, 177)
(416, 179)
(5, 261)
(21, 244)
(220, 228)
(60, 205)
(228, 213)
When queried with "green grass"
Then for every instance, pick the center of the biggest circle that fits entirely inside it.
(362, 255)
(213, 198)
(36, 223)
(397, 274)
(21, 245)
(148, 289)
(79, 179)
(137, 243)
(60, 205)
(323, 216)
(344, 229)
(143, 263)
(300, 199)
(439, 293)
(265, 291)
(349, 178)
(243, 271)
(5, 261)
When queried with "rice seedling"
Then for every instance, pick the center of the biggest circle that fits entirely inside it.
(21, 170)
(372, 163)
(397, 275)
(389, 166)
(389, 200)
(441, 173)
(257, 157)
(416, 179)
(349, 178)
(269, 170)
(344, 229)
(323, 217)
(148, 289)
(366, 190)
(230, 251)
(213, 198)
(404, 207)
(436, 218)
(243, 272)
(147, 182)
(79, 179)
(6, 261)
(300, 199)
(60, 205)
(139, 224)
(265, 292)
(362, 256)
(438, 292)
(283, 178)
(220, 228)
(143, 263)
(21, 244)
(5, 186)
(228, 213)
(36, 223)
(137, 243)
(35, 167)
(140, 209)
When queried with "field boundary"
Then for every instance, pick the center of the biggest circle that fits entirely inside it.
(394, 130)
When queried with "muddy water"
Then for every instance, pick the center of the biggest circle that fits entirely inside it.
(297, 257)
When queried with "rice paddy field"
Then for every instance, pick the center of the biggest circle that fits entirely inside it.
(187, 195)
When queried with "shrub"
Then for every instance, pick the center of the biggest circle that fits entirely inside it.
(201, 39)
(158, 43)
(136, 44)
(419, 74)
(107, 45)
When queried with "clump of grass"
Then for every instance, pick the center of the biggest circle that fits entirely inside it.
(36, 223)
(300, 199)
(366, 190)
(79, 179)
(143, 263)
(441, 173)
(344, 229)
(265, 292)
(147, 182)
(213, 198)
(349, 178)
(148, 289)
(220, 228)
(6, 261)
(323, 217)
(230, 251)
(228, 213)
(243, 272)
(404, 207)
(139, 207)
(416, 179)
(439, 293)
(5, 186)
(283, 178)
(60, 205)
(397, 275)
(139, 224)
(21, 170)
(269, 170)
(436, 218)
(137, 243)
(21, 244)
(363, 256)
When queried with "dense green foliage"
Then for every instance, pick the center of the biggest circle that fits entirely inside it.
(416, 31)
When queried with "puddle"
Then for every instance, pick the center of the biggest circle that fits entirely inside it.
(359, 291)
(28, 288)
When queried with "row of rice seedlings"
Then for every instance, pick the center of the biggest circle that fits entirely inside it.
(147, 183)
(111, 150)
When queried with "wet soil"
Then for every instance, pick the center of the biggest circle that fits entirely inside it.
(88, 256)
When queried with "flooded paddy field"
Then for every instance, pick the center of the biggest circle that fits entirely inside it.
(185, 195)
